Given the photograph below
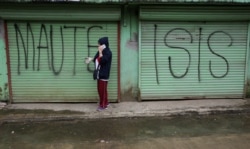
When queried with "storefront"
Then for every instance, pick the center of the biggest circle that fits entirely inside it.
(46, 50)
(161, 50)
(193, 52)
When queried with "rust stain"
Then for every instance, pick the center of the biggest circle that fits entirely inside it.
(128, 95)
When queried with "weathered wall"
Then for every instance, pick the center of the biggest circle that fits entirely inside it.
(129, 53)
(129, 56)
(247, 83)
(3, 66)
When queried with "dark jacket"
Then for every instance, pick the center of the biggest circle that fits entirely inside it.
(106, 59)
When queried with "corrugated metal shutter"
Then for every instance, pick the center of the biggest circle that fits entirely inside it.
(60, 12)
(182, 60)
(195, 13)
(40, 73)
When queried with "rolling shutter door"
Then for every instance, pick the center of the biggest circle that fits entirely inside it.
(47, 60)
(182, 60)
(59, 12)
(195, 13)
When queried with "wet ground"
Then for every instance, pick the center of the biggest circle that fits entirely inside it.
(218, 131)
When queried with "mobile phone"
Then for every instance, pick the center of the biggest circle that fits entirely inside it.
(103, 46)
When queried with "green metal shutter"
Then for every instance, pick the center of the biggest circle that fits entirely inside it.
(195, 13)
(207, 60)
(58, 74)
(60, 12)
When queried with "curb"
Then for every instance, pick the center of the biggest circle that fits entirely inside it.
(33, 117)
(2, 105)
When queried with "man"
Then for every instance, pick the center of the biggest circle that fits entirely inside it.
(102, 60)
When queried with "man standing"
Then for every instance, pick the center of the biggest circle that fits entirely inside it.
(102, 60)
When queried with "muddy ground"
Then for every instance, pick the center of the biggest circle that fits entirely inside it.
(217, 131)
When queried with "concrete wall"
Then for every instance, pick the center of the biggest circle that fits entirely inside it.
(129, 53)
(247, 83)
(3, 66)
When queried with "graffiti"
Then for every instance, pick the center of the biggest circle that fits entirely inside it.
(29, 30)
(46, 42)
(75, 29)
(18, 32)
(39, 47)
(176, 47)
(211, 50)
(199, 56)
(156, 68)
(188, 63)
(52, 51)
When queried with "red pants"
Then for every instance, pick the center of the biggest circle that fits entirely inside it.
(103, 94)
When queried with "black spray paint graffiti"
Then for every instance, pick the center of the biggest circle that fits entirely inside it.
(176, 47)
(39, 47)
(156, 66)
(189, 54)
(52, 51)
(75, 31)
(199, 56)
(33, 43)
(47, 40)
(18, 49)
(211, 50)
